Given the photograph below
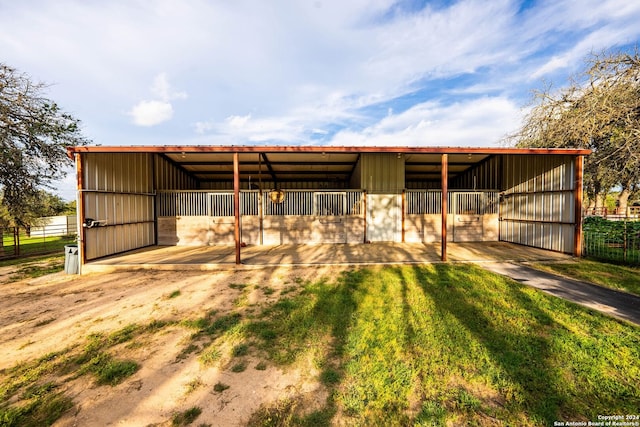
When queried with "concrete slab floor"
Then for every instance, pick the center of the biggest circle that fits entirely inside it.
(223, 257)
(609, 301)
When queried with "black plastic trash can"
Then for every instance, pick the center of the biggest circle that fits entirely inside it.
(71, 265)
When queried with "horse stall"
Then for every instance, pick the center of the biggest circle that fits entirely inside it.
(135, 197)
(472, 216)
(206, 218)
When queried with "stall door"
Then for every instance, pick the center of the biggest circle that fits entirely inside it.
(468, 220)
(221, 219)
(329, 209)
(383, 217)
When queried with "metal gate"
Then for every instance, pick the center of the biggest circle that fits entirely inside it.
(469, 209)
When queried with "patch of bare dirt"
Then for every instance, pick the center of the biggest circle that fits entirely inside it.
(59, 311)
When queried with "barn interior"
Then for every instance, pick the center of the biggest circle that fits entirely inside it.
(186, 196)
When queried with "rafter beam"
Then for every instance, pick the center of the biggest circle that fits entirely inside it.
(269, 166)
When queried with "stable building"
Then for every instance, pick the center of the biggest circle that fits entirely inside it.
(132, 197)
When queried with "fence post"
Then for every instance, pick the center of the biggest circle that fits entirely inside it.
(624, 244)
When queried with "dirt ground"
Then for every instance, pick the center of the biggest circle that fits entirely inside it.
(54, 312)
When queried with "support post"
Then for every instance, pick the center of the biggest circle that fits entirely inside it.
(236, 204)
(154, 190)
(260, 201)
(577, 187)
(443, 203)
(364, 212)
(404, 198)
(82, 253)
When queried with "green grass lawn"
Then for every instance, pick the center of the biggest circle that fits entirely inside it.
(443, 344)
(608, 275)
(36, 245)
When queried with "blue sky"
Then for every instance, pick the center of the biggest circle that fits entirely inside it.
(298, 72)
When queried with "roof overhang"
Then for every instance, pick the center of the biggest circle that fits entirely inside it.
(315, 163)
(318, 149)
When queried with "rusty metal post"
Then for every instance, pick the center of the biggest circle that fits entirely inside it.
(577, 187)
(82, 258)
(404, 201)
(236, 204)
(364, 211)
(445, 196)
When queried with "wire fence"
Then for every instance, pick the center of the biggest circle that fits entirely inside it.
(614, 241)
(17, 242)
(615, 214)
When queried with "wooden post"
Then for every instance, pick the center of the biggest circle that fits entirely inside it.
(443, 203)
(236, 204)
(577, 187)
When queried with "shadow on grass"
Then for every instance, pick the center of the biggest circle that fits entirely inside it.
(314, 321)
(520, 349)
(437, 344)
(552, 359)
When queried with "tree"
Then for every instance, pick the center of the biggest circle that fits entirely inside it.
(41, 204)
(599, 110)
(34, 136)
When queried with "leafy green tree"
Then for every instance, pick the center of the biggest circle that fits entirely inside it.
(599, 110)
(34, 136)
(41, 204)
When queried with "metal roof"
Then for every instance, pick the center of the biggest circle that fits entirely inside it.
(314, 163)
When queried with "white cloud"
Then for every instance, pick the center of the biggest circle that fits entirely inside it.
(243, 129)
(599, 24)
(294, 66)
(312, 72)
(163, 90)
(203, 127)
(477, 122)
(151, 113)
(553, 64)
(238, 122)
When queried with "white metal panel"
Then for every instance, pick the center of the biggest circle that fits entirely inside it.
(538, 204)
(383, 217)
(118, 192)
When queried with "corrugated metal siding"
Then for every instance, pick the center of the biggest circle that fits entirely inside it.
(169, 177)
(356, 177)
(485, 176)
(382, 173)
(537, 204)
(118, 190)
